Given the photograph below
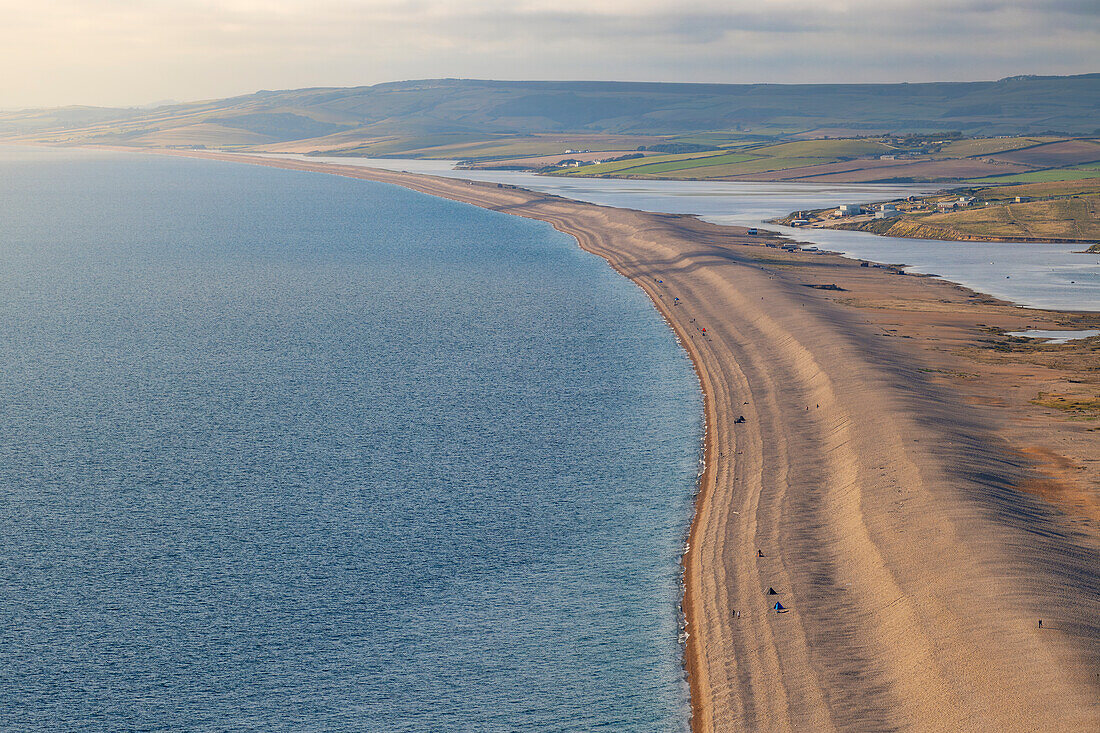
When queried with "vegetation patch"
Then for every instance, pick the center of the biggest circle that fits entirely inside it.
(825, 149)
(1087, 406)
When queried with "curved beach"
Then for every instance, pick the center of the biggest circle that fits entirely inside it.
(914, 524)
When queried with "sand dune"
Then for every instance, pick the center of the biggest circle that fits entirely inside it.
(882, 503)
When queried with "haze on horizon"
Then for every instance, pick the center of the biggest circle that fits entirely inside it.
(134, 52)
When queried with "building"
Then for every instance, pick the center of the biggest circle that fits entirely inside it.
(1022, 199)
(850, 209)
(887, 213)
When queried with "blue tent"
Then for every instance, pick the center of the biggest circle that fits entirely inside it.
(778, 606)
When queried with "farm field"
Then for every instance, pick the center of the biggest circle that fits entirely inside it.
(989, 146)
(690, 164)
(1055, 155)
(1057, 174)
(825, 149)
(620, 166)
(1024, 159)
(731, 170)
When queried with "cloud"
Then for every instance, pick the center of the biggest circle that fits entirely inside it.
(133, 51)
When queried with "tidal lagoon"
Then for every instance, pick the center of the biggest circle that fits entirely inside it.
(1039, 275)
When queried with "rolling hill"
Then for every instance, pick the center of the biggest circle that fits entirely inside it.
(430, 117)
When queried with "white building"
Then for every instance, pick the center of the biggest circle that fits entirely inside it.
(850, 209)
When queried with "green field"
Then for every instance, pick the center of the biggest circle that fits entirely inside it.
(626, 167)
(988, 146)
(824, 149)
(693, 164)
(759, 165)
(703, 166)
(1060, 174)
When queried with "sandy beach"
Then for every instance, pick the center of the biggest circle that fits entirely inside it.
(898, 479)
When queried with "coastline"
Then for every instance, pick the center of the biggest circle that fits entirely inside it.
(807, 347)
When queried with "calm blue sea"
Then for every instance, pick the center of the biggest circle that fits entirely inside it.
(290, 452)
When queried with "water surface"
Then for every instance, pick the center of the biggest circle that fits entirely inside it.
(284, 451)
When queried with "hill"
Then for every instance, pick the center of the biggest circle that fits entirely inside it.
(441, 117)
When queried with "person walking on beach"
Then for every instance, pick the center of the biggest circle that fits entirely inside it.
(1040, 623)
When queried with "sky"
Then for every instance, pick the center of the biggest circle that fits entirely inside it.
(135, 52)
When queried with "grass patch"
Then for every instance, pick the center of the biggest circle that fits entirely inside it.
(1065, 218)
(824, 149)
(690, 164)
(628, 166)
(758, 165)
(1077, 405)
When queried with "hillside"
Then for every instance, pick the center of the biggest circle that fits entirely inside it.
(444, 117)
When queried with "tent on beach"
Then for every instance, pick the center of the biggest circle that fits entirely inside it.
(779, 607)
(771, 592)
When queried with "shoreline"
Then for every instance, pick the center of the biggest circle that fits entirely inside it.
(767, 354)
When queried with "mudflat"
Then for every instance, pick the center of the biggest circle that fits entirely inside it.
(917, 488)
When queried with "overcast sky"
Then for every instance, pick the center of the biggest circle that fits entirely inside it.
(132, 52)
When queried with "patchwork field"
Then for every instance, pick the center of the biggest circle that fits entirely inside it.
(1020, 159)
(1058, 154)
(1057, 174)
(989, 146)
(826, 149)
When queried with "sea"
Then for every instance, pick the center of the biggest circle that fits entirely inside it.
(1057, 276)
(284, 451)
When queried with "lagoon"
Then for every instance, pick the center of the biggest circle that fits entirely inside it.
(1037, 275)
